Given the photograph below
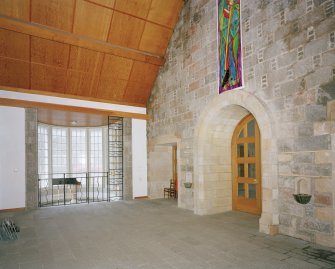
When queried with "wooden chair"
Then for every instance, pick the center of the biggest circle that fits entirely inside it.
(171, 191)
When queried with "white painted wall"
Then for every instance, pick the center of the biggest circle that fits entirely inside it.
(15, 133)
(139, 157)
(12, 158)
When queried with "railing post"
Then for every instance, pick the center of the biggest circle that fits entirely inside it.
(108, 188)
(76, 193)
(52, 192)
(102, 185)
(93, 188)
(87, 188)
(64, 188)
(39, 191)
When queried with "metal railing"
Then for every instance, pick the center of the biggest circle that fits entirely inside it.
(77, 188)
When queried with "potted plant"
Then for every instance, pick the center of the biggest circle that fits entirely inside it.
(302, 198)
(187, 185)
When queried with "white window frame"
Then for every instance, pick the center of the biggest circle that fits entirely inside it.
(69, 154)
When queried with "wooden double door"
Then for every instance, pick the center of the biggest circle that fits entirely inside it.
(246, 167)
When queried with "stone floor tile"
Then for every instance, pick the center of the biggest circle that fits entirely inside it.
(149, 234)
(9, 265)
(31, 265)
(322, 264)
(300, 263)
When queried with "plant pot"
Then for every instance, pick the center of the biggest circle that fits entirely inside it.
(187, 185)
(302, 198)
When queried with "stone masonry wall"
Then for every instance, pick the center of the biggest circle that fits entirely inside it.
(127, 160)
(289, 64)
(31, 159)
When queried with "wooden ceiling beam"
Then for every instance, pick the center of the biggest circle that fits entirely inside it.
(50, 33)
(33, 104)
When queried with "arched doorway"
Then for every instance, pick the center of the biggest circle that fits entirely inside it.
(246, 167)
(163, 164)
(213, 159)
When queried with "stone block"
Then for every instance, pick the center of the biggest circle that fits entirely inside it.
(323, 199)
(322, 170)
(267, 195)
(306, 129)
(284, 169)
(323, 156)
(287, 230)
(285, 145)
(321, 128)
(313, 143)
(314, 225)
(284, 157)
(297, 169)
(286, 59)
(325, 213)
(267, 181)
(303, 157)
(285, 220)
(303, 67)
(210, 78)
(286, 182)
(316, 47)
(289, 88)
(324, 184)
(290, 207)
(309, 210)
(315, 112)
(277, 104)
(325, 240)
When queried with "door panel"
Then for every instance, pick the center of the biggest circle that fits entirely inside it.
(246, 167)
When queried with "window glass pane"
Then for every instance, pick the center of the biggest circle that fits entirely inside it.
(251, 128)
(241, 134)
(59, 150)
(241, 189)
(79, 154)
(43, 158)
(96, 160)
(252, 191)
(240, 170)
(240, 150)
(87, 153)
(251, 170)
(251, 150)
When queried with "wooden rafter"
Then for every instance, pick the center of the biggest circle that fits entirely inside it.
(99, 50)
(53, 34)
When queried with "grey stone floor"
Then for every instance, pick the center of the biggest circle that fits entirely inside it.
(151, 234)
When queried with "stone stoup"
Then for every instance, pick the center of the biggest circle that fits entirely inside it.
(289, 64)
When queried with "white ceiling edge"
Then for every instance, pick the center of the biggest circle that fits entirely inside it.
(70, 102)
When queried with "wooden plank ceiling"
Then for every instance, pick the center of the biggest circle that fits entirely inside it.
(103, 50)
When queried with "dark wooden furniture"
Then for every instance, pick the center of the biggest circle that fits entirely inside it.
(171, 191)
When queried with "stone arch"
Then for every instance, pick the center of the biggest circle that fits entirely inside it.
(212, 156)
